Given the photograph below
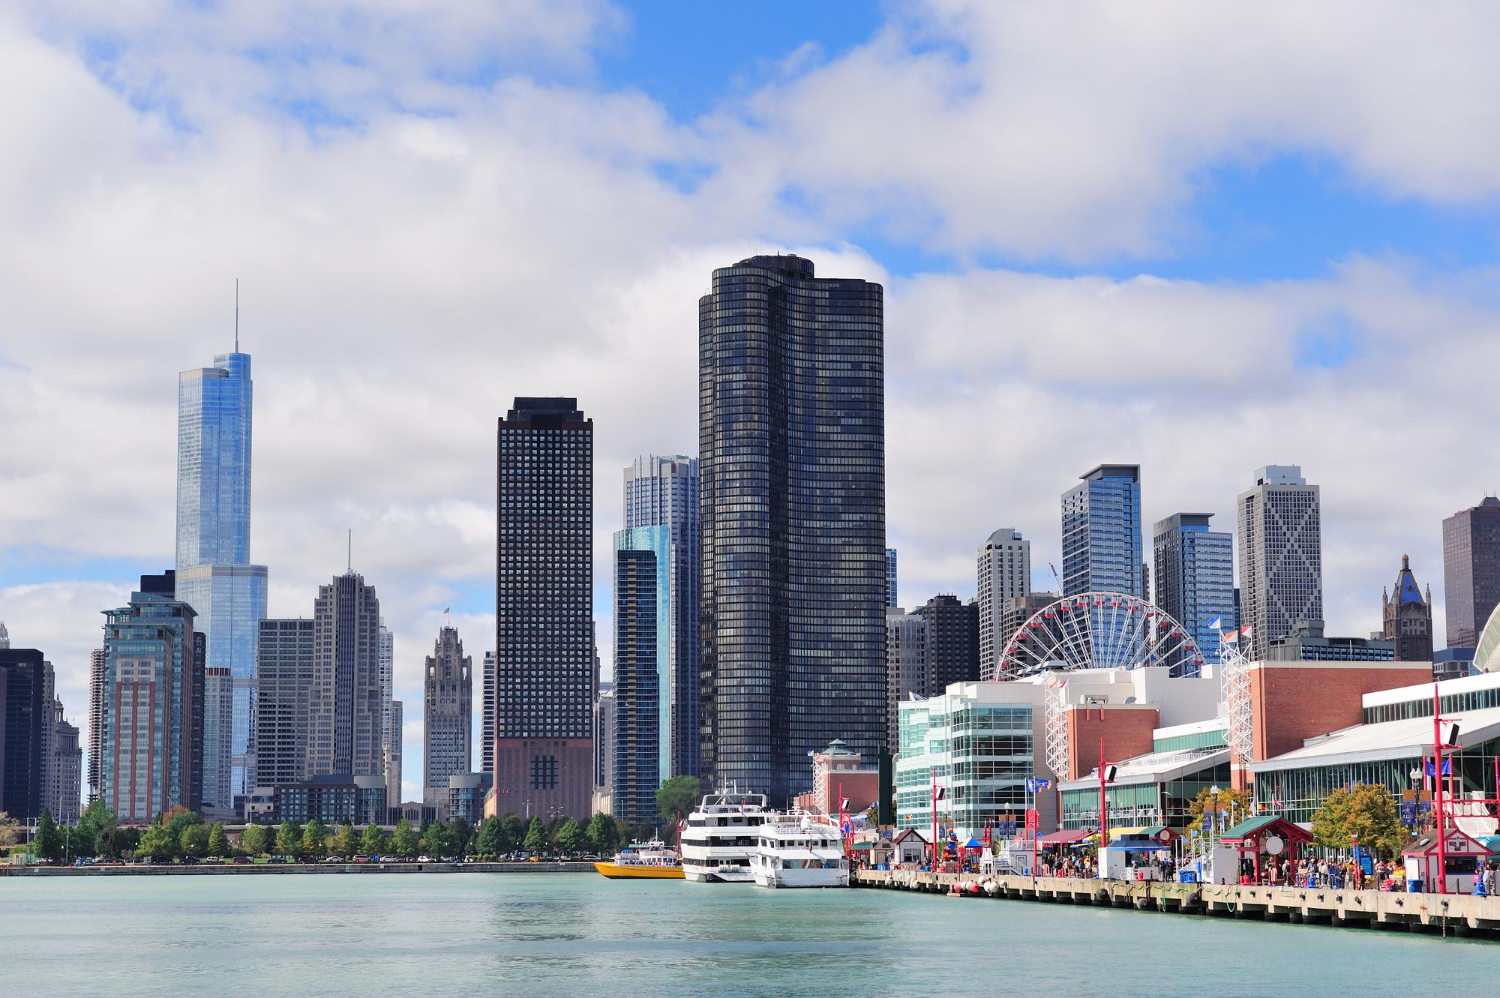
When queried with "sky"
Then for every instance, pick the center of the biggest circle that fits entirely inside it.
(1202, 238)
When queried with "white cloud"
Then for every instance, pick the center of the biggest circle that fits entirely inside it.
(405, 277)
(1082, 130)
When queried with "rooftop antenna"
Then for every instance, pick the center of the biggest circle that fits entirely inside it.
(351, 551)
(236, 315)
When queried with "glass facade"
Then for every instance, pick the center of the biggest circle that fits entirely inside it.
(1101, 531)
(890, 579)
(1149, 803)
(214, 575)
(663, 491)
(643, 723)
(981, 754)
(1298, 792)
(792, 451)
(1194, 578)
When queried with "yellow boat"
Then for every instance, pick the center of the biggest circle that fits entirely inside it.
(652, 861)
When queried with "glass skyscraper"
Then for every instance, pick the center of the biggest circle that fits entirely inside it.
(663, 491)
(214, 574)
(1101, 532)
(643, 722)
(792, 459)
(1194, 577)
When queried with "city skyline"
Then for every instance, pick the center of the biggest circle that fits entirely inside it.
(1355, 253)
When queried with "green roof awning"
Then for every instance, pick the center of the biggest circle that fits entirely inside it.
(1154, 831)
(1248, 827)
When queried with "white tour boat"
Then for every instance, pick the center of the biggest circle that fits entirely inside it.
(719, 835)
(798, 849)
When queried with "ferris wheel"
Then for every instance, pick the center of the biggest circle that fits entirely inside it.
(1098, 630)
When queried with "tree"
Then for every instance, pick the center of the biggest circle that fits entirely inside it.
(10, 830)
(1238, 803)
(536, 837)
(344, 842)
(513, 833)
(1365, 811)
(49, 841)
(123, 843)
(675, 799)
(253, 840)
(463, 836)
(314, 839)
(157, 844)
(218, 842)
(95, 828)
(571, 838)
(193, 841)
(437, 842)
(373, 841)
(404, 842)
(289, 840)
(603, 834)
(490, 838)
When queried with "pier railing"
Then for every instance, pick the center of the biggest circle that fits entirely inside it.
(1461, 914)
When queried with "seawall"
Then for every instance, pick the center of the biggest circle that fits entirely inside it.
(1459, 914)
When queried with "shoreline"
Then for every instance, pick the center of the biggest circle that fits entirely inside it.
(274, 869)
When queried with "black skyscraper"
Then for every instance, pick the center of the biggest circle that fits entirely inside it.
(1471, 570)
(544, 636)
(23, 712)
(952, 641)
(792, 452)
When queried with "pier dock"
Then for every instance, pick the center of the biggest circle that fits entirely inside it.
(1459, 914)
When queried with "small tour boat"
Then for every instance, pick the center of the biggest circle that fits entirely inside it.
(643, 861)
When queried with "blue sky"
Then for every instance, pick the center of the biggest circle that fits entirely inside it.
(1205, 239)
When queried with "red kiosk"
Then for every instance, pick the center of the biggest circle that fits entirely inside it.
(1458, 853)
(1266, 835)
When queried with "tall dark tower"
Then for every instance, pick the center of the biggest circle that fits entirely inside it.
(544, 576)
(792, 466)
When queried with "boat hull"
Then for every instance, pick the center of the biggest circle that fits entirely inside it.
(618, 871)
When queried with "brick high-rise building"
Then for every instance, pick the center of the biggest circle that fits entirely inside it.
(544, 643)
(1471, 570)
(1281, 555)
(447, 715)
(153, 697)
(792, 459)
(1407, 617)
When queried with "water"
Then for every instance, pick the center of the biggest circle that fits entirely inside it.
(577, 935)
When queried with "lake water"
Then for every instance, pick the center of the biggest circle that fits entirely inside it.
(579, 935)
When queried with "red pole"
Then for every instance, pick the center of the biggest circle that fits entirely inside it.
(1103, 812)
(933, 860)
(1437, 780)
